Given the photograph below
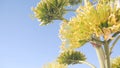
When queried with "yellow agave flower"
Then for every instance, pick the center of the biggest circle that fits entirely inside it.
(101, 20)
(55, 65)
(116, 63)
(71, 57)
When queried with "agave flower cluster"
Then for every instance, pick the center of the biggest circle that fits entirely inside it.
(100, 20)
(54, 65)
(91, 23)
(71, 57)
(116, 62)
(48, 10)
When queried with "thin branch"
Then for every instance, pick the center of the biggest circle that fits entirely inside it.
(73, 10)
(114, 43)
(114, 35)
(89, 64)
(83, 62)
(85, 2)
(63, 19)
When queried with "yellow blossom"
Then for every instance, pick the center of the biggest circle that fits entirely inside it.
(116, 62)
(101, 20)
(54, 65)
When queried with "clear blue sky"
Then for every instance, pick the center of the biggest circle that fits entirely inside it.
(25, 44)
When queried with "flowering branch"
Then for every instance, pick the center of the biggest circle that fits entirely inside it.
(114, 35)
(89, 64)
(114, 43)
(90, 20)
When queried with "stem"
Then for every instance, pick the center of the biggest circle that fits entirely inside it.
(114, 43)
(114, 35)
(107, 52)
(73, 10)
(85, 2)
(101, 56)
(118, 4)
(89, 64)
(98, 41)
(63, 19)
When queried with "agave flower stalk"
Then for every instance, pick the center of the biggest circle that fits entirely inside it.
(100, 54)
(90, 24)
(107, 54)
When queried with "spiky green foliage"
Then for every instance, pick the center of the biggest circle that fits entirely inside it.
(54, 65)
(71, 57)
(116, 62)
